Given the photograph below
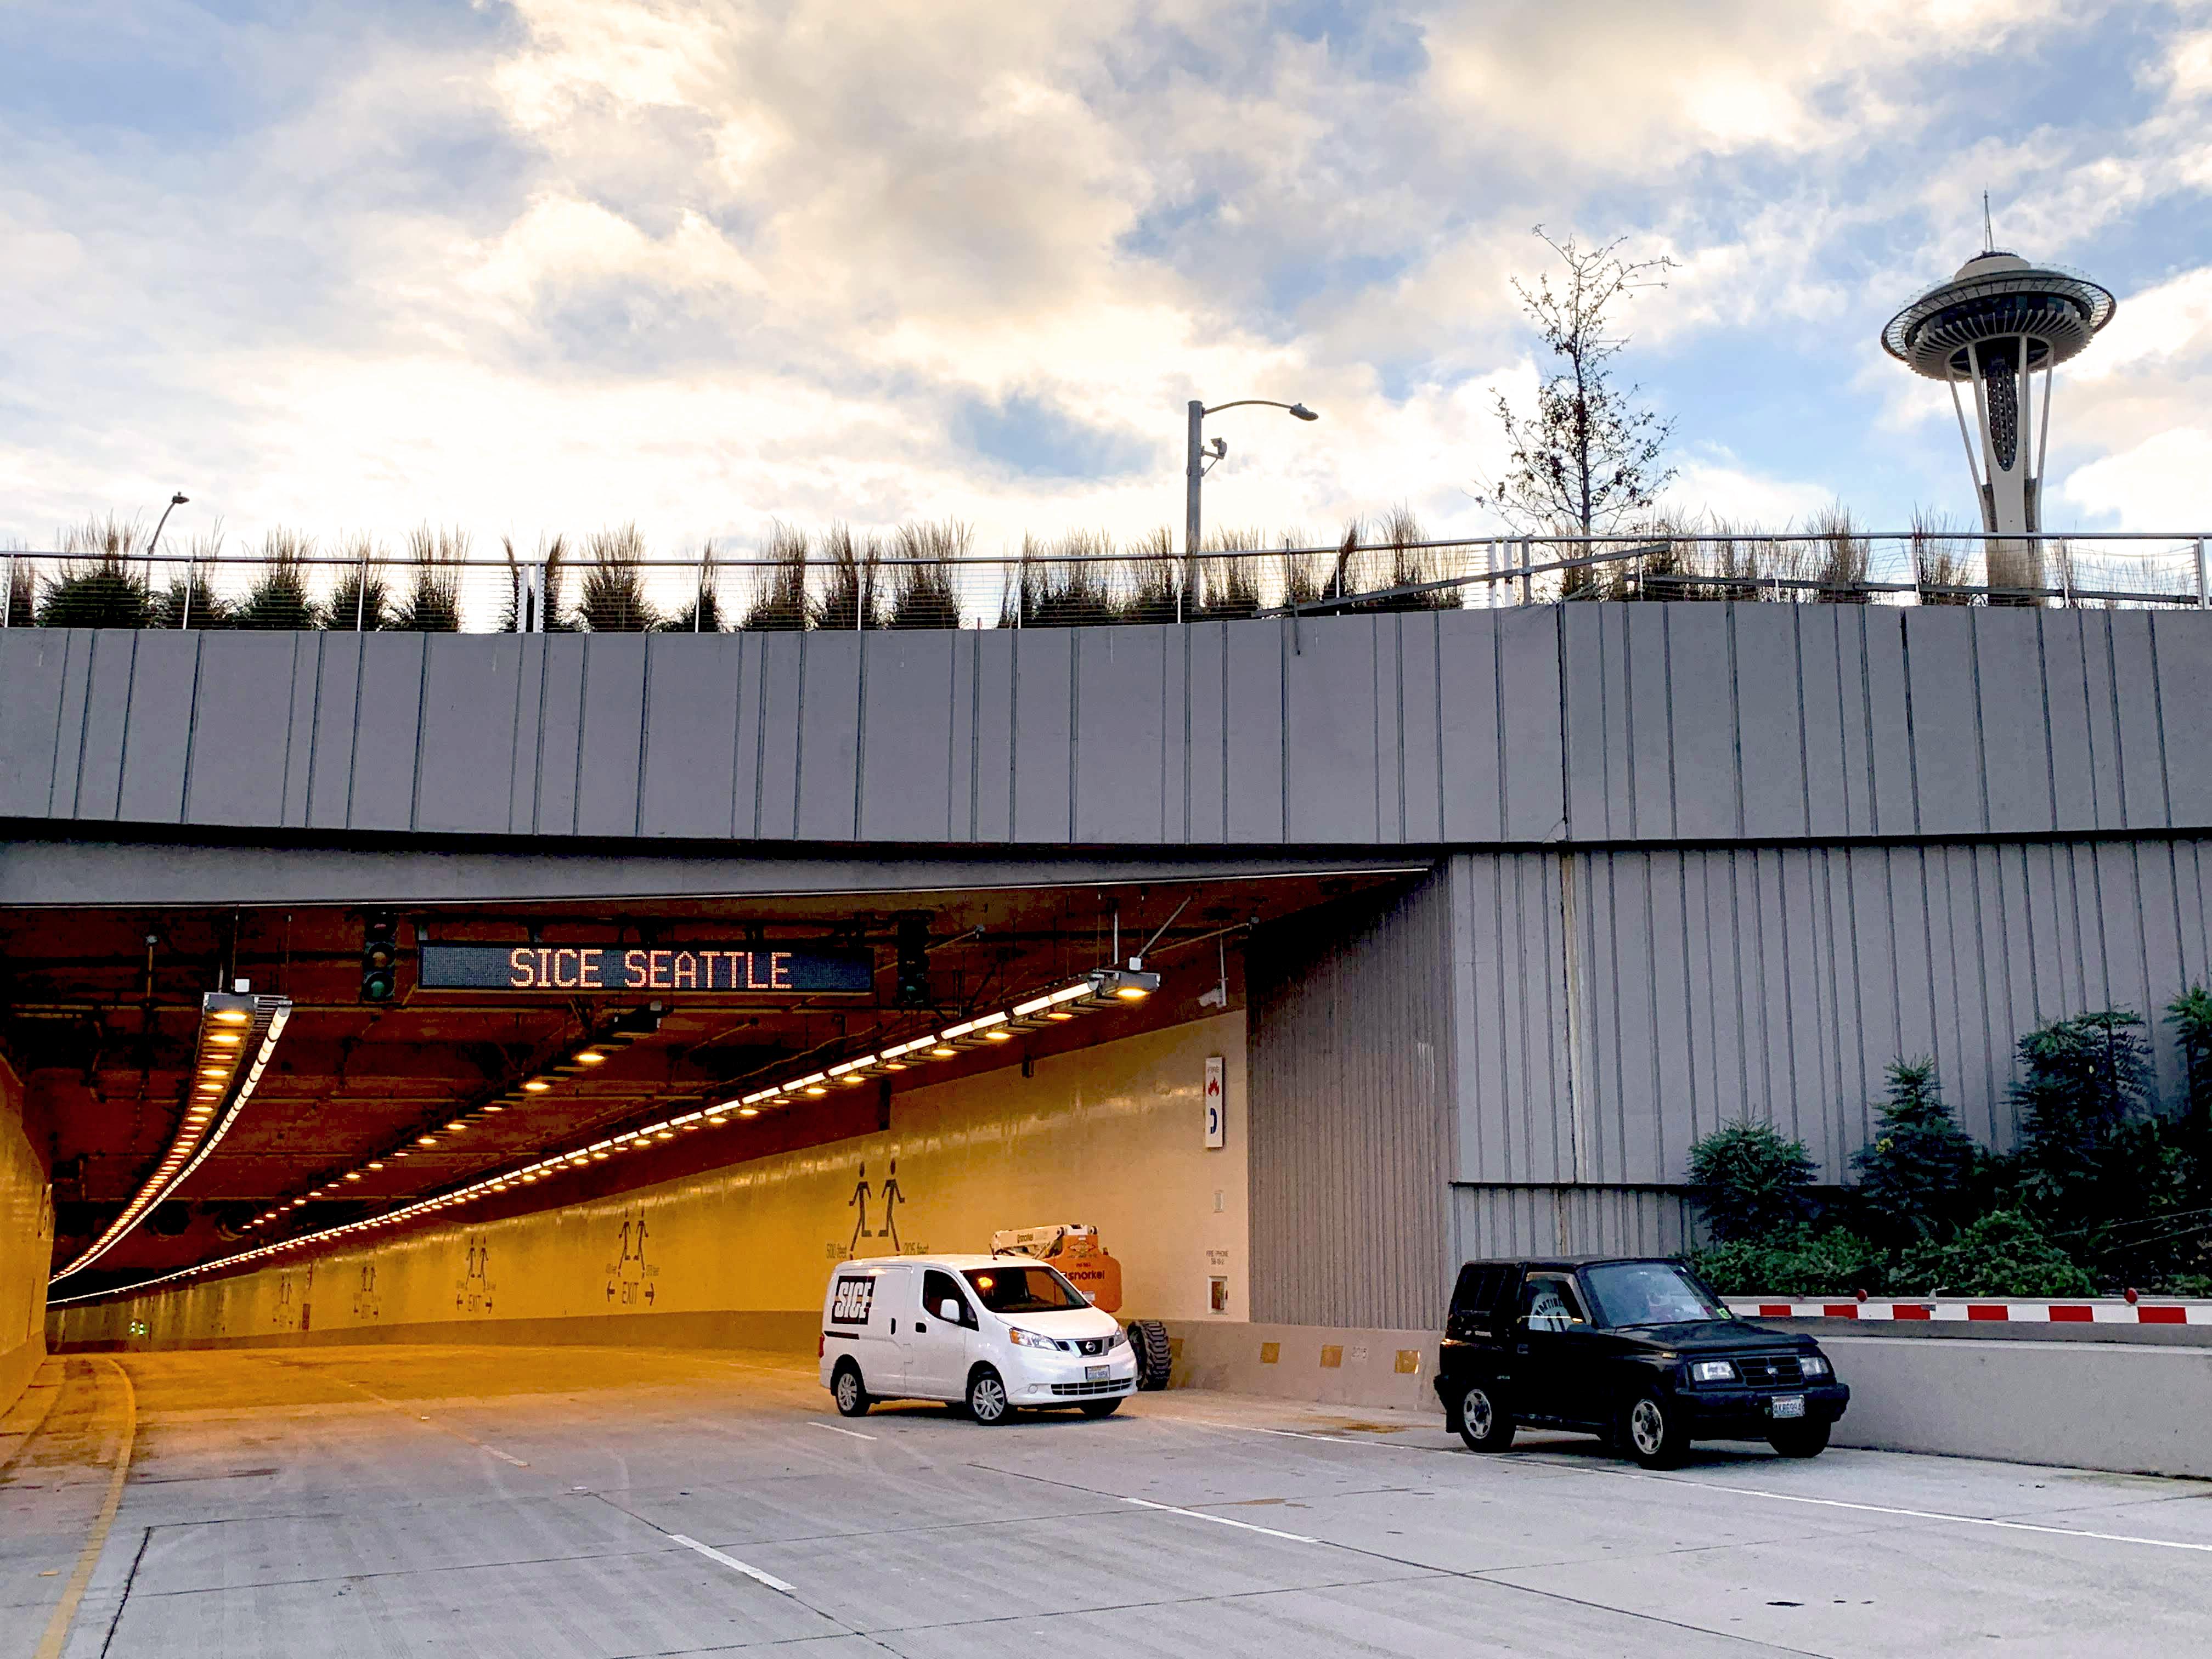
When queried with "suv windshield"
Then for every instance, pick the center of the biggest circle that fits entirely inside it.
(1027, 1289)
(1649, 1293)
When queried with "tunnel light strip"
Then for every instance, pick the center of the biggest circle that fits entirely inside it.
(587, 1052)
(1107, 987)
(232, 1027)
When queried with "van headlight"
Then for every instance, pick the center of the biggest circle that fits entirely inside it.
(1813, 1365)
(1022, 1338)
(1713, 1370)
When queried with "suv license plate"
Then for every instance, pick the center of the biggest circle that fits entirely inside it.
(1100, 1373)
(1789, 1405)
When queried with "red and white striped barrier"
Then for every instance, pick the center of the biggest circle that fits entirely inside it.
(2102, 1312)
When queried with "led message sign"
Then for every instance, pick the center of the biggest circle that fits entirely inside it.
(725, 970)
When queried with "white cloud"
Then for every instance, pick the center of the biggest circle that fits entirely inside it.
(698, 263)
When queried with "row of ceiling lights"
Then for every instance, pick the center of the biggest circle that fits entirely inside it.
(1107, 987)
(238, 1033)
(578, 1061)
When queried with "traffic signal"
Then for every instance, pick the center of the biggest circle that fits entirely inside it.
(379, 957)
(914, 959)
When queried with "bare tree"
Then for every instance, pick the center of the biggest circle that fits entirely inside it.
(1590, 454)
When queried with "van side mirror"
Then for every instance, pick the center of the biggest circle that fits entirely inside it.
(948, 1311)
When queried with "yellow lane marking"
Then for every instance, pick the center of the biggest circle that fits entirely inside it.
(58, 1627)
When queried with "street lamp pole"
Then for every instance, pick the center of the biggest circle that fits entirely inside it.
(1196, 457)
(175, 501)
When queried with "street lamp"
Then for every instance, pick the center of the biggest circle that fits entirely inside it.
(1198, 456)
(175, 501)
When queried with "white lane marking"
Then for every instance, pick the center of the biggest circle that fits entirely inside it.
(834, 1428)
(732, 1561)
(504, 1457)
(1221, 1520)
(1913, 1515)
(1753, 1492)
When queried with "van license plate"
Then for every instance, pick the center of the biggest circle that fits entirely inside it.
(1789, 1405)
(1100, 1373)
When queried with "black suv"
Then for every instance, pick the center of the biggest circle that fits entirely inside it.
(1635, 1348)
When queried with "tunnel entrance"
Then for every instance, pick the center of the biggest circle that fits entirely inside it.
(477, 1116)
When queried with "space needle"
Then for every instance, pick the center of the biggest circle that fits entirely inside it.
(1992, 326)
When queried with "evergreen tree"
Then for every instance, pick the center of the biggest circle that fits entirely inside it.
(1914, 1175)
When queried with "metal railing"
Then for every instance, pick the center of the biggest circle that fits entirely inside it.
(714, 594)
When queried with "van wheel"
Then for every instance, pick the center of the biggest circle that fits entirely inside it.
(845, 1389)
(1485, 1426)
(1148, 1341)
(1101, 1407)
(1800, 1439)
(987, 1397)
(1652, 1432)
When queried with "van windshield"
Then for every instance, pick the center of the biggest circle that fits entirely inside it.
(1028, 1289)
(1649, 1293)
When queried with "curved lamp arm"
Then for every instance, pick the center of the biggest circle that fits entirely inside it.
(1298, 410)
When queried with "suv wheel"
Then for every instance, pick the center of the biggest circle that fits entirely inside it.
(1652, 1432)
(1483, 1423)
(987, 1397)
(1799, 1439)
(845, 1389)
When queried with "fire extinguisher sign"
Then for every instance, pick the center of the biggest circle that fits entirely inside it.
(1217, 1104)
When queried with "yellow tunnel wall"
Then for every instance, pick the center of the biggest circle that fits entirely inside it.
(26, 1243)
(1112, 1136)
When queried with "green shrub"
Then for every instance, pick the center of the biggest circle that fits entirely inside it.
(2004, 1253)
(1795, 1261)
(1916, 1175)
(1749, 1182)
(279, 597)
(2191, 1016)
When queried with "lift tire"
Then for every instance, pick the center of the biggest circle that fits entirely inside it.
(1148, 1341)
(846, 1388)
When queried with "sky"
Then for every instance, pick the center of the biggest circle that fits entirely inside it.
(535, 266)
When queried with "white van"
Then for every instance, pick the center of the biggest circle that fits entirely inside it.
(995, 1334)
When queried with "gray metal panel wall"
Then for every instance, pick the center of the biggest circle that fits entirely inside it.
(1652, 723)
(1616, 1004)
(1349, 1087)
(1509, 1221)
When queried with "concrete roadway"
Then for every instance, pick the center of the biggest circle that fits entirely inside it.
(577, 1502)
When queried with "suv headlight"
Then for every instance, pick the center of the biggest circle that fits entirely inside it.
(1813, 1365)
(1713, 1370)
(1022, 1338)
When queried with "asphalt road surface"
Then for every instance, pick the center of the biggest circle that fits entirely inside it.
(594, 1502)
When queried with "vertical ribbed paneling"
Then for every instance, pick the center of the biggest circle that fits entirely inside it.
(1349, 1081)
(1601, 723)
(1624, 1002)
(1505, 1221)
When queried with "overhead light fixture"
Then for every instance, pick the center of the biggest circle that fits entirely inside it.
(229, 1066)
(1103, 988)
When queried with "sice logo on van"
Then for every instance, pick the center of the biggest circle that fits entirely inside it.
(855, 1295)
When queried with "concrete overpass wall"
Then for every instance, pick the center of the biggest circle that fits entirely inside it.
(1598, 723)
(26, 1242)
(1111, 1136)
